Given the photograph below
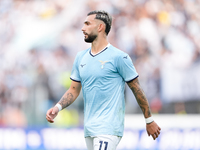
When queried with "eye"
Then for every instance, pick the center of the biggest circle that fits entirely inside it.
(86, 23)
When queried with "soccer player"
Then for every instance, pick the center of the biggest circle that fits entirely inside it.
(101, 71)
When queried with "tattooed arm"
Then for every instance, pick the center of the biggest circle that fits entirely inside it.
(140, 97)
(67, 99)
(71, 94)
(152, 128)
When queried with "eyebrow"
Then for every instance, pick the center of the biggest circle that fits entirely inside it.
(86, 22)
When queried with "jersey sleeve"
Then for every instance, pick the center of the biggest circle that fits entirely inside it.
(126, 68)
(75, 76)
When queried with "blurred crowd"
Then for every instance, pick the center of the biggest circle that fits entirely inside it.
(39, 40)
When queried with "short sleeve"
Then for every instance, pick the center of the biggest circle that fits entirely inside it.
(75, 76)
(126, 68)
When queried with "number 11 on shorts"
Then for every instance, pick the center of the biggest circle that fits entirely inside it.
(106, 145)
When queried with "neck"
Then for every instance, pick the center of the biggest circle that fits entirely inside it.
(98, 45)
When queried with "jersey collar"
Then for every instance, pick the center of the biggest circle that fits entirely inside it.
(100, 51)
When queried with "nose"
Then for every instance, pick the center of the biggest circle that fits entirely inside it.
(83, 28)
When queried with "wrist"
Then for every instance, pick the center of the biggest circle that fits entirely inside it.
(58, 106)
(149, 120)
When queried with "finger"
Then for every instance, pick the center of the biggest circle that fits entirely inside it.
(156, 134)
(48, 113)
(159, 128)
(49, 119)
(153, 136)
(158, 131)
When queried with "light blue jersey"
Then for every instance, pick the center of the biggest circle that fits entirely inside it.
(103, 78)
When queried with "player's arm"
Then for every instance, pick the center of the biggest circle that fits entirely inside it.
(72, 93)
(140, 97)
(152, 128)
(67, 99)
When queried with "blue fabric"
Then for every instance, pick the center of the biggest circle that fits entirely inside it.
(103, 78)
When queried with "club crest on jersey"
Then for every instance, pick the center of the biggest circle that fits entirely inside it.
(103, 63)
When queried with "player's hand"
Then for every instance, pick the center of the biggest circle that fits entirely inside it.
(51, 114)
(153, 129)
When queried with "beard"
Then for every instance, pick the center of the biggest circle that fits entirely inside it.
(90, 38)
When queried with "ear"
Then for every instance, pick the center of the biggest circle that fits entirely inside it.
(101, 27)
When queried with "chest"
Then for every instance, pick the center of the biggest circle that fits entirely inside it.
(96, 67)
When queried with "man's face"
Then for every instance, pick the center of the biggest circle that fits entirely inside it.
(90, 28)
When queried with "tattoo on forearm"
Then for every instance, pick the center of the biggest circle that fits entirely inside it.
(140, 97)
(67, 100)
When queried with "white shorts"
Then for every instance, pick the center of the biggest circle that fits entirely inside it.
(102, 142)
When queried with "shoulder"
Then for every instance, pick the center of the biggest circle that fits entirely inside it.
(117, 53)
(82, 53)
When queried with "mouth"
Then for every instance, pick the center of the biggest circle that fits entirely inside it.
(85, 33)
